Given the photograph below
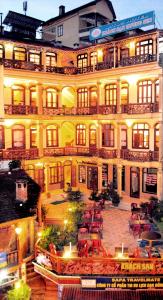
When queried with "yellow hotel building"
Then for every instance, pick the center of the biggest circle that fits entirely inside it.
(87, 116)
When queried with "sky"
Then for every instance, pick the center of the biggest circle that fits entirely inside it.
(46, 9)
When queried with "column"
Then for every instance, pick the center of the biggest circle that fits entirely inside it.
(129, 138)
(27, 95)
(118, 96)
(99, 136)
(27, 137)
(46, 170)
(141, 180)
(155, 45)
(1, 92)
(99, 95)
(32, 234)
(100, 177)
(119, 175)
(39, 210)
(39, 90)
(151, 138)
(118, 140)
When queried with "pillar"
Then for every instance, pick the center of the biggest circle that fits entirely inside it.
(1, 92)
(118, 96)
(43, 59)
(151, 140)
(41, 138)
(99, 176)
(99, 136)
(46, 170)
(39, 90)
(39, 210)
(141, 180)
(118, 135)
(27, 95)
(32, 236)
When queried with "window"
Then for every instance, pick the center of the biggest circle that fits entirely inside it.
(82, 60)
(52, 136)
(1, 51)
(140, 136)
(82, 174)
(2, 141)
(51, 98)
(124, 52)
(82, 95)
(111, 56)
(93, 58)
(35, 57)
(33, 96)
(156, 137)
(55, 174)
(92, 135)
(18, 95)
(81, 135)
(60, 30)
(51, 59)
(93, 96)
(157, 91)
(145, 91)
(19, 53)
(124, 93)
(108, 135)
(123, 137)
(33, 137)
(111, 94)
(150, 180)
(144, 47)
(18, 136)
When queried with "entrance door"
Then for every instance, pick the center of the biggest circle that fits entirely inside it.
(134, 182)
(92, 178)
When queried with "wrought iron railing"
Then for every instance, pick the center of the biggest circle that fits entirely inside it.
(20, 109)
(140, 108)
(20, 154)
(139, 155)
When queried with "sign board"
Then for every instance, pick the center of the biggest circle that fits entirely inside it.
(3, 260)
(139, 21)
(130, 282)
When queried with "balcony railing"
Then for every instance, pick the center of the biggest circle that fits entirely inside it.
(140, 108)
(20, 154)
(12, 258)
(80, 151)
(126, 61)
(107, 109)
(141, 156)
(70, 111)
(20, 110)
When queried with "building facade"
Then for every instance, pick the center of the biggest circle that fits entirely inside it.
(72, 28)
(99, 121)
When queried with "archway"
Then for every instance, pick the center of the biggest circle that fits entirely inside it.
(67, 134)
(68, 97)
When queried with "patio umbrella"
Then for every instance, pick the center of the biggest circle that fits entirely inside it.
(150, 235)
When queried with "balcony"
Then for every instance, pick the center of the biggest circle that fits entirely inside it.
(12, 258)
(138, 59)
(107, 109)
(68, 111)
(18, 64)
(26, 154)
(140, 108)
(20, 110)
(108, 154)
(141, 156)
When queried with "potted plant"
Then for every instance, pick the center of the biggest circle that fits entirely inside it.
(20, 291)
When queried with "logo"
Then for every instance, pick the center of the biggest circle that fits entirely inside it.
(96, 32)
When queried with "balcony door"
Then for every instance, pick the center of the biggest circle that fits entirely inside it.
(134, 182)
(92, 178)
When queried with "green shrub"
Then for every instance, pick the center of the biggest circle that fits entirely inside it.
(21, 291)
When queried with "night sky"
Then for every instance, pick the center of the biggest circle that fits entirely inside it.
(46, 9)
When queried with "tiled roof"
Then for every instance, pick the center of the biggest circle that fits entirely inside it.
(10, 209)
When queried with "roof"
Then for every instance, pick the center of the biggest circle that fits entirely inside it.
(73, 11)
(14, 18)
(10, 209)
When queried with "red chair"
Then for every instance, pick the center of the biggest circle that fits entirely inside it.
(96, 246)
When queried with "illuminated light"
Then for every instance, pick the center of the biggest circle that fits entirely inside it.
(8, 82)
(67, 254)
(70, 209)
(18, 230)
(129, 123)
(9, 123)
(120, 255)
(3, 275)
(9, 47)
(132, 79)
(39, 234)
(39, 164)
(18, 284)
(65, 222)
(100, 55)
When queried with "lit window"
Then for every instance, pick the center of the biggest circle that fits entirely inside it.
(35, 57)
(145, 91)
(93, 96)
(124, 93)
(83, 97)
(156, 137)
(18, 95)
(150, 180)
(2, 141)
(19, 53)
(33, 137)
(18, 136)
(108, 135)
(140, 136)
(1, 51)
(52, 136)
(82, 60)
(93, 58)
(51, 59)
(111, 94)
(55, 174)
(33, 96)
(144, 47)
(92, 135)
(81, 135)
(51, 98)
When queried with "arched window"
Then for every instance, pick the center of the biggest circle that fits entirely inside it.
(19, 53)
(123, 137)
(52, 136)
(82, 95)
(33, 96)
(107, 135)
(81, 135)
(157, 91)
(111, 94)
(156, 137)
(92, 135)
(140, 136)
(35, 56)
(93, 96)
(18, 95)
(33, 137)
(2, 140)
(124, 93)
(51, 98)
(93, 58)
(55, 173)
(18, 136)
(145, 91)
